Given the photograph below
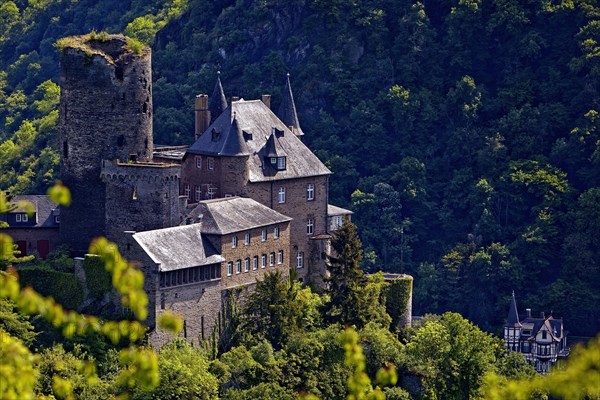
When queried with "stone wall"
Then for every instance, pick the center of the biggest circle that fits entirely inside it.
(140, 197)
(105, 113)
(298, 207)
(256, 248)
(228, 176)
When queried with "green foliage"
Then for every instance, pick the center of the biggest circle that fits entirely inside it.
(345, 279)
(97, 279)
(14, 324)
(271, 312)
(451, 355)
(183, 374)
(577, 380)
(63, 286)
(397, 295)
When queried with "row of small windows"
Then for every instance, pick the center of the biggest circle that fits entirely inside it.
(310, 193)
(234, 238)
(210, 192)
(190, 275)
(210, 163)
(263, 263)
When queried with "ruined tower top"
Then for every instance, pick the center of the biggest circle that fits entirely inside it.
(105, 114)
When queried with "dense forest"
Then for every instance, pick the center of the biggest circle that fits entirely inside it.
(464, 134)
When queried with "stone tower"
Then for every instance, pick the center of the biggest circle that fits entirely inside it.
(140, 196)
(105, 114)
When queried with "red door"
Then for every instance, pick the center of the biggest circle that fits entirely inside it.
(43, 248)
(22, 246)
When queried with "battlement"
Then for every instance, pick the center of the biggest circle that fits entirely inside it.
(139, 171)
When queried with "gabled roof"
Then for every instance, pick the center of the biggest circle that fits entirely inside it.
(287, 110)
(44, 208)
(217, 102)
(549, 324)
(256, 122)
(178, 247)
(234, 214)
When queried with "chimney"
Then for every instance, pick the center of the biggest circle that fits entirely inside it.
(542, 315)
(234, 98)
(528, 311)
(266, 98)
(202, 115)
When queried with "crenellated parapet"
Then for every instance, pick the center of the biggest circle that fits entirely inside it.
(112, 171)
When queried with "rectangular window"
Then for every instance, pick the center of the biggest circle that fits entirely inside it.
(210, 192)
(310, 191)
(264, 235)
(300, 260)
(280, 257)
(337, 222)
(247, 238)
(309, 226)
(187, 191)
(25, 218)
(276, 233)
(210, 163)
(57, 219)
(198, 162)
(281, 195)
(255, 263)
(233, 242)
(238, 266)
(281, 163)
(18, 217)
(197, 193)
(271, 259)
(263, 261)
(246, 265)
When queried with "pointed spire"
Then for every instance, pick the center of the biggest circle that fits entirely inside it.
(513, 314)
(234, 144)
(218, 102)
(287, 111)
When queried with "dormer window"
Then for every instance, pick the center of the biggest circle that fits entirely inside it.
(281, 163)
(278, 163)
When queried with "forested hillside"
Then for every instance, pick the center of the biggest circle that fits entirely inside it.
(464, 134)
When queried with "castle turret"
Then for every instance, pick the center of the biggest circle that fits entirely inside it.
(140, 196)
(105, 114)
(287, 110)
(217, 102)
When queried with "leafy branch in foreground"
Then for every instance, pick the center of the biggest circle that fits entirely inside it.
(17, 363)
(579, 379)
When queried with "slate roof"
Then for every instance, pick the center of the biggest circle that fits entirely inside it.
(234, 214)
(255, 125)
(287, 110)
(513, 314)
(44, 208)
(217, 102)
(552, 325)
(178, 247)
(335, 210)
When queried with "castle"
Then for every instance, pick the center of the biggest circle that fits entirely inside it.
(202, 222)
